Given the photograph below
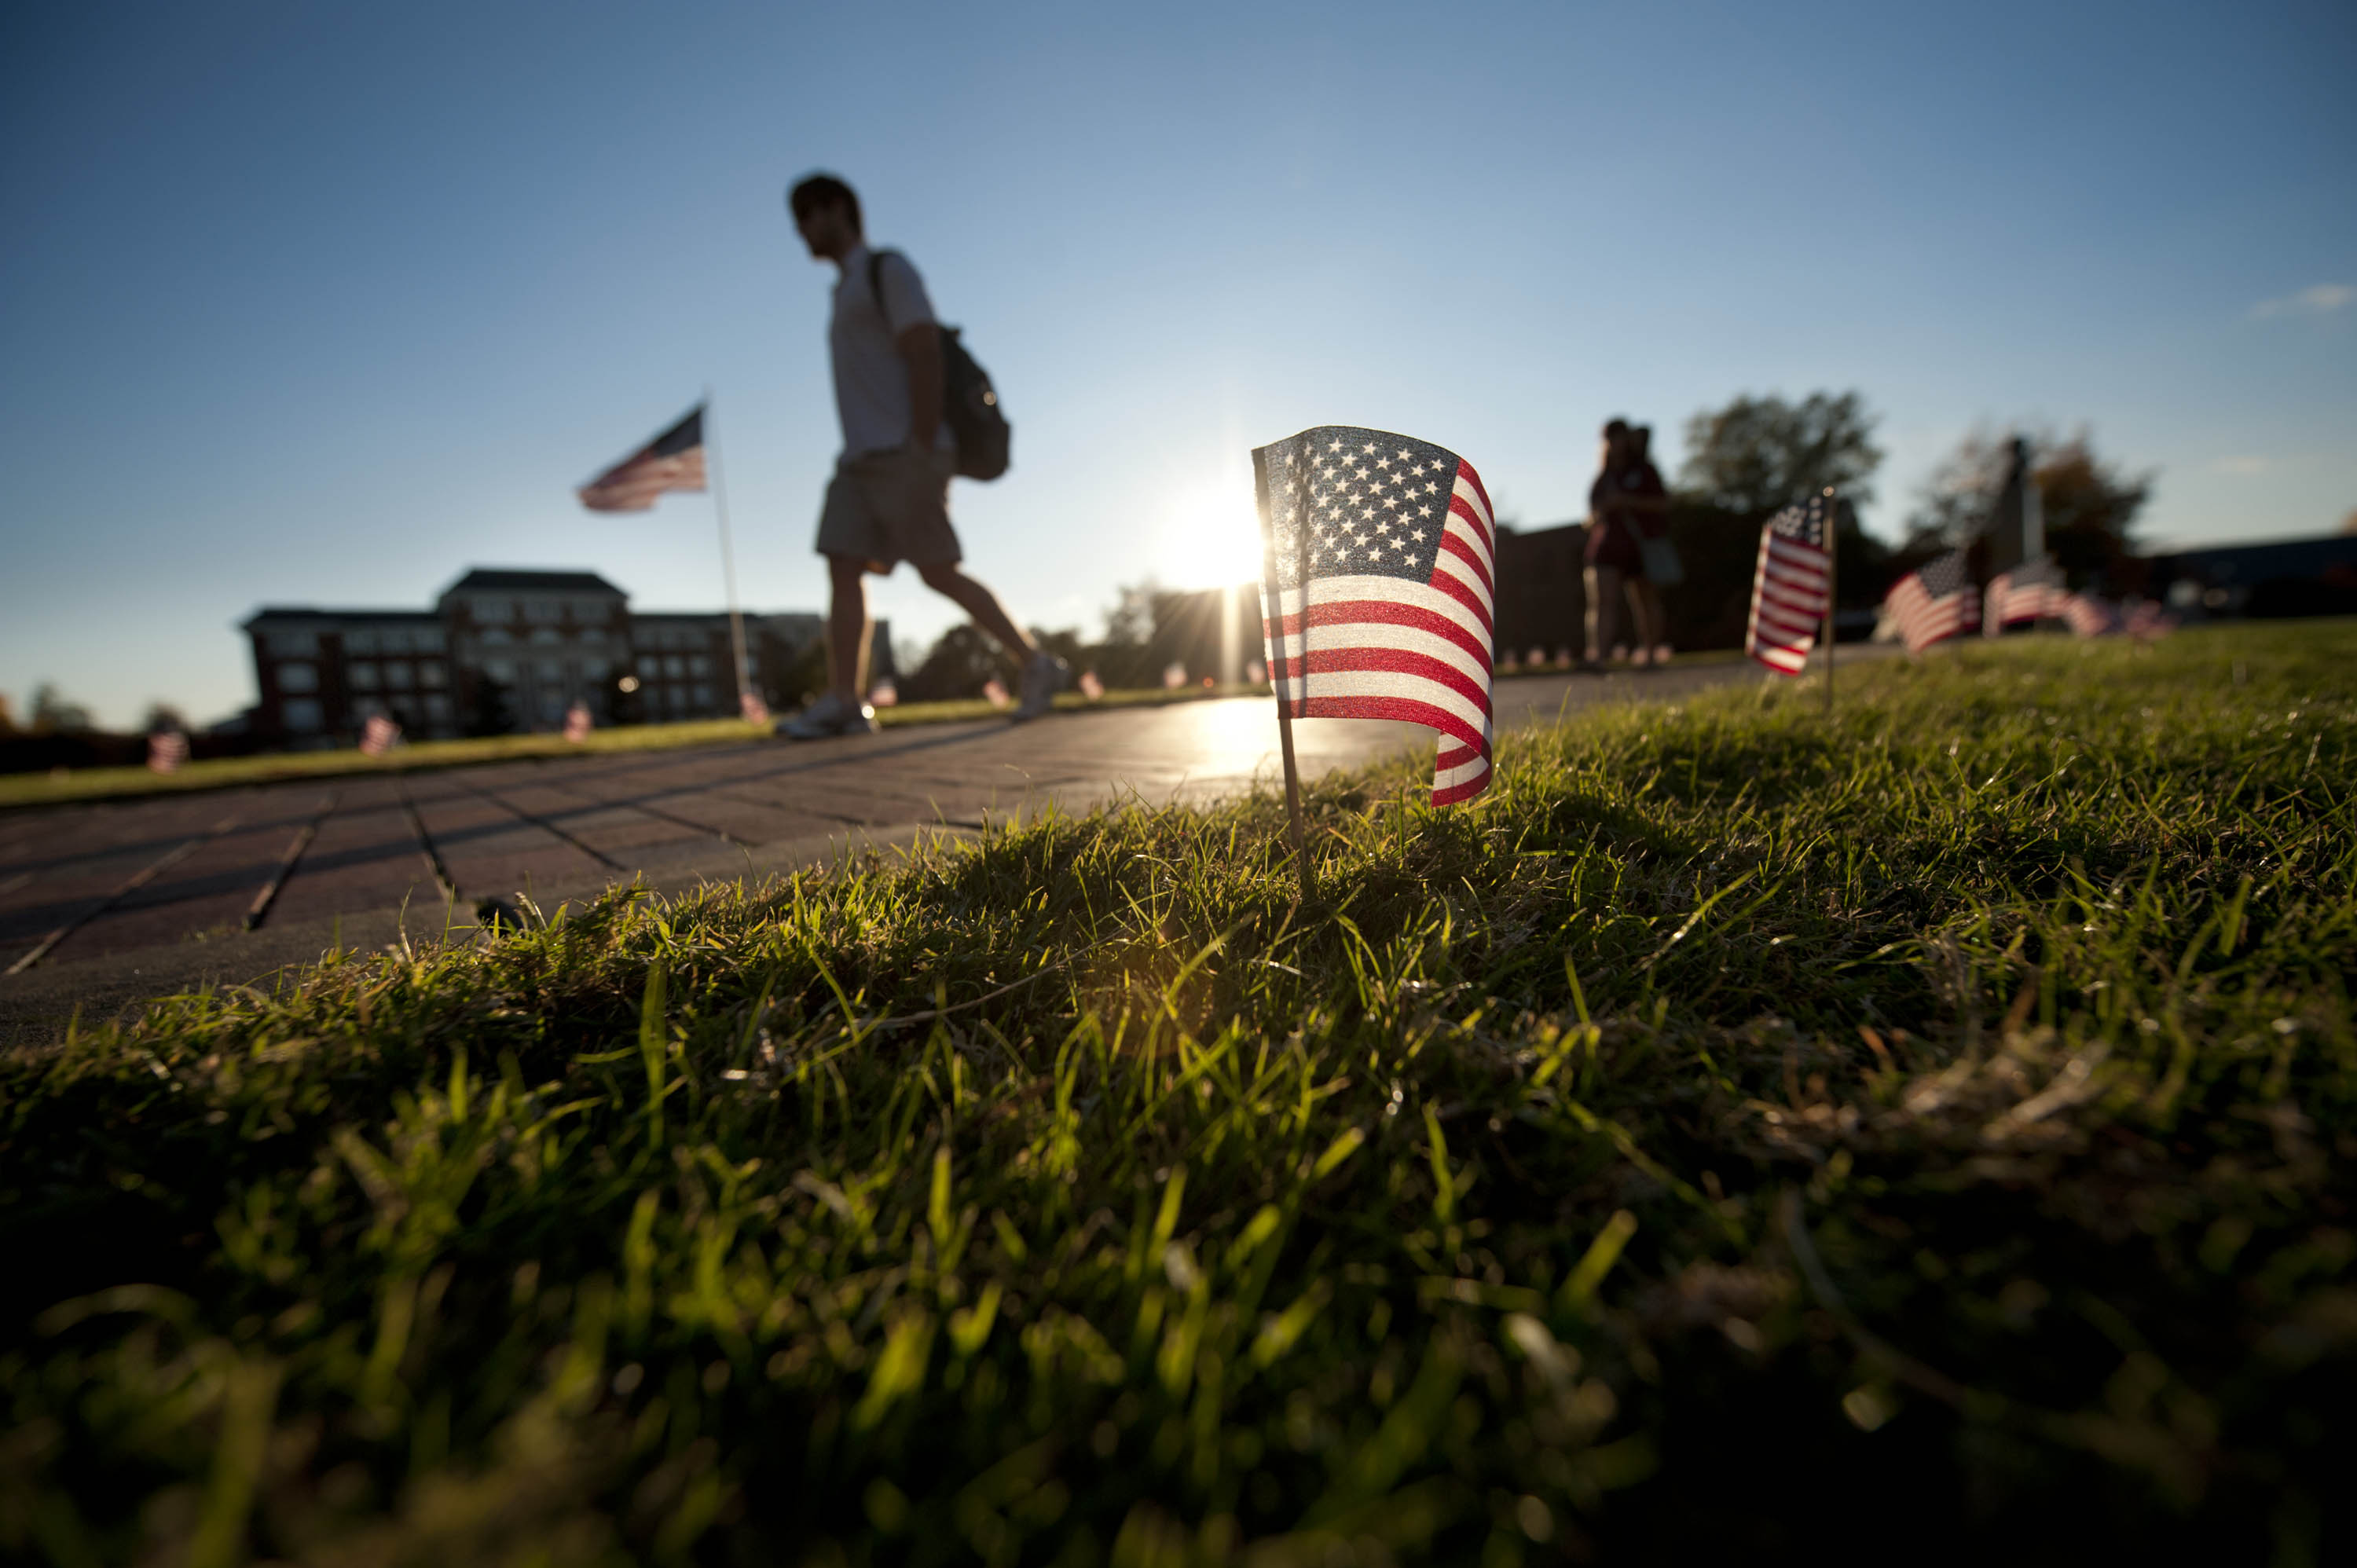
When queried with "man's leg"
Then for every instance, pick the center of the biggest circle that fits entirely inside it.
(979, 602)
(1643, 607)
(847, 627)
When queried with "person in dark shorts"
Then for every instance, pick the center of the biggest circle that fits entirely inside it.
(889, 500)
(1626, 495)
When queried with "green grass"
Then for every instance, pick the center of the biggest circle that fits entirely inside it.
(228, 772)
(1742, 1137)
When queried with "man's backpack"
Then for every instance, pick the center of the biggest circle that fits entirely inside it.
(969, 402)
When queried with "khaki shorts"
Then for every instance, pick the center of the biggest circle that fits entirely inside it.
(887, 506)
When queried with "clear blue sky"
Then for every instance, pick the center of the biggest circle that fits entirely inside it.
(315, 304)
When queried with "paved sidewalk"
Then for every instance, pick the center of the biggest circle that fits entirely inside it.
(104, 903)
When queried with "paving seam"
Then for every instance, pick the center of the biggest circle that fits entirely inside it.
(425, 842)
(259, 910)
(545, 825)
(138, 879)
(655, 811)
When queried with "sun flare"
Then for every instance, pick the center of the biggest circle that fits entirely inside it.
(1210, 535)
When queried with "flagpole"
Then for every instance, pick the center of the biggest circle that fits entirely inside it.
(727, 549)
(1833, 588)
(1281, 667)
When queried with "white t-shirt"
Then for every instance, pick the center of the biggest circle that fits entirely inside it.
(871, 379)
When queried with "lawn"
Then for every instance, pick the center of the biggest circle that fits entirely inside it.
(1924, 1133)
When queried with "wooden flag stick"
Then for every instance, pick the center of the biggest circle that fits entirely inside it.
(1833, 588)
(1281, 666)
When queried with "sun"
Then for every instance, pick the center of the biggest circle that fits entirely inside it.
(1210, 535)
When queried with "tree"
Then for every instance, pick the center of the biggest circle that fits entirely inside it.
(56, 713)
(2090, 509)
(1761, 453)
(2089, 505)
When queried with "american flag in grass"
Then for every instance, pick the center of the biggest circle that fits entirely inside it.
(1789, 587)
(2089, 615)
(2031, 591)
(1936, 602)
(1379, 588)
(671, 461)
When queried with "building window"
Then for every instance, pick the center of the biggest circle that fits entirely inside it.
(299, 678)
(396, 672)
(699, 665)
(546, 634)
(496, 635)
(364, 676)
(674, 666)
(302, 715)
(502, 670)
(426, 639)
(360, 642)
(650, 666)
(703, 697)
(293, 644)
(438, 708)
(431, 673)
(551, 670)
(393, 640)
(594, 668)
(543, 611)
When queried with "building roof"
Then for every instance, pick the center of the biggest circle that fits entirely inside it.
(521, 580)
(269, 613)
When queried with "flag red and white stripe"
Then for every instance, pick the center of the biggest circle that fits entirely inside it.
(1791, 588)
(1398, 618)
(1935, 603)
(167, 749)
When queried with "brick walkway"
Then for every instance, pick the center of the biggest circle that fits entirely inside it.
(106, 902)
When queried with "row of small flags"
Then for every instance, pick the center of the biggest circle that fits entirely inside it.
(1792, 582)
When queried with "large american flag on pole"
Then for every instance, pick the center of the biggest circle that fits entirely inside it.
(1789, 587)
(1379, 582)
(1935, 602)
(671, 461)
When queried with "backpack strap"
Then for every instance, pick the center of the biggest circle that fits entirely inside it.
(876, 289)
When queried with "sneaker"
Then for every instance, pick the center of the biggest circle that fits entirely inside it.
(1043, 677)
(830, 715)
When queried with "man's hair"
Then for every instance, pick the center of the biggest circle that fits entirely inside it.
(824, 190)
(1612, 428)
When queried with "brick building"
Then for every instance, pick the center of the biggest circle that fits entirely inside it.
(504, 652)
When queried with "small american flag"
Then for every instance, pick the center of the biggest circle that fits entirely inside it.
(2148, 620)
(577, 722)
(752, 710)
(994, 691)
(2028, 592)
(885, 695)
(671, 461)
(378, 735)
(1394, 620)
(2089, 615)
(167, 749)
(1090, 687)
(1789, 587)
(1935, 602)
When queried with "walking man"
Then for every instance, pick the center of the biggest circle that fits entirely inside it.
(889, 500)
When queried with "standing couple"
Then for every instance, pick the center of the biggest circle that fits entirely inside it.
(1628, 551)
